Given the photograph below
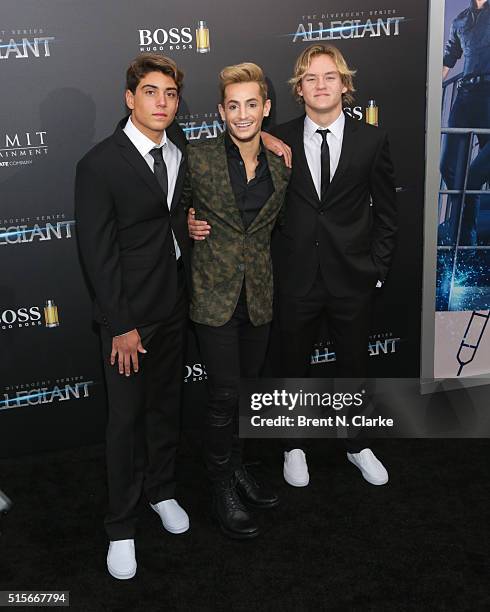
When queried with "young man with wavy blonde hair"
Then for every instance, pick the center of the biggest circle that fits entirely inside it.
(336, 239)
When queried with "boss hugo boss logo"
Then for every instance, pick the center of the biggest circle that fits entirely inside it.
(354, 112)
(195, 373)
(176, 38)
(21, 317)
(166, 40)
(30, 316)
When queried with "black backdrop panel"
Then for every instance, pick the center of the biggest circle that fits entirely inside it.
(62, 65)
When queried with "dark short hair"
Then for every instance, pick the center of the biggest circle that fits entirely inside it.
(145, 63)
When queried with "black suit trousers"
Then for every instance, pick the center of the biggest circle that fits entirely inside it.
(348, 321)
(144, 419)
(231, 351)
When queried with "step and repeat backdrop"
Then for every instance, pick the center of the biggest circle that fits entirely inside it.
(62, 66)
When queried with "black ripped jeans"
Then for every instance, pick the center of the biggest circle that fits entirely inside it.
(231, 351)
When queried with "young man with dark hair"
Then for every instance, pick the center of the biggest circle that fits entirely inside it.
(134, 248)
(240, 190)
(335, 241)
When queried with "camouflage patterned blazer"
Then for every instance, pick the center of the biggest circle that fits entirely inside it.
(230, 254)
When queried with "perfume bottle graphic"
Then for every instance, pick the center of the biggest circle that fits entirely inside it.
(51, 314)
(202, 38)
(372, 113)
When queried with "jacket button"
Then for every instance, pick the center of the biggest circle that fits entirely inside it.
(317, 243)
(172, 252)
(321, 212)
(241, 267)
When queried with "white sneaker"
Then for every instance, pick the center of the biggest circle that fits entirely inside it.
(5, 502)
(121, 561)
(295, 468)
(371, 467)
(174, 518)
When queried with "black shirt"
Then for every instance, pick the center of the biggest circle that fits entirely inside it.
(249, 196)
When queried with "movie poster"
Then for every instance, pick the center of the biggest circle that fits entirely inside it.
(462, 343)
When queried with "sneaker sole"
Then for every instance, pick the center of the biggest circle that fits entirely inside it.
(296, 483)
(376, 483)
(118, 576)
(176, 530)
(173, 530)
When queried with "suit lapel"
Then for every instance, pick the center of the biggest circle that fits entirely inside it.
(224, 202)
(300, 164)
(180, 142)
(348, 141)
(136, 160)
(280, 179)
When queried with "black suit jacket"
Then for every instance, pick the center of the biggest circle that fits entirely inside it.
(350, 240)
(124, 232)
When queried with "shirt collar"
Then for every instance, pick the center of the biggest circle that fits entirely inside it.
(337, 127)
(140, 141)
(233, 150)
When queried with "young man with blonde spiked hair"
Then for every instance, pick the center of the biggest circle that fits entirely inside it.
(334, 243)
(239, 189)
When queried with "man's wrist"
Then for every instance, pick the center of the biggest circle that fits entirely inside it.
(124, 334)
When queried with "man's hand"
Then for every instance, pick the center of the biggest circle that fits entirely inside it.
(198, 230)
(278, 147)
(127, 347)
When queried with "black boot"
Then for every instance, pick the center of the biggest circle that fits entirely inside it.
(252, 493)
(234, 519)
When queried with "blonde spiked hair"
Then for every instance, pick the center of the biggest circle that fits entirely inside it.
(247, 72)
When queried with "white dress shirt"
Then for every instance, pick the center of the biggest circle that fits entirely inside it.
(313, 144)
(171, 156)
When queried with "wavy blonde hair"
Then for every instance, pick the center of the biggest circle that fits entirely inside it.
(303, 63)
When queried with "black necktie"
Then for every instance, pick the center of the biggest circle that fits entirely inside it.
(325, 163)
(160, 169)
